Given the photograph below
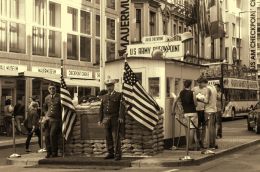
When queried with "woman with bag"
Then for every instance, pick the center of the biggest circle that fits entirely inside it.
(8, 112)
(32, 124)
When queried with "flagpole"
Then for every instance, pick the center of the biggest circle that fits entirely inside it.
(63, 139)
(198, 29)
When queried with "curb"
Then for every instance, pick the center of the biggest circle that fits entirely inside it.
(20, 142)
(128, 162)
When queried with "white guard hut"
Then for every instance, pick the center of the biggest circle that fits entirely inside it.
(162, 78)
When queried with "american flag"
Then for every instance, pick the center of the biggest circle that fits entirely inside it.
(143, 108)
(68, 110)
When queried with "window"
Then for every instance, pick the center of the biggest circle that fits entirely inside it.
(54, 14)
(39, 12)
(85, 49)
(39, 41)
(3, 35)
(97, 1)
(54, 44)
(238, 3)
(180, 29)
(233, 30)
(138, 27)
(139, 77)
(17, 9)
(111, 4)
(97, 25)
(72, 47)
(17, 38)
(85, 23)
(72, 19)
(3, 7)
(174, 29)
(97, 51)
(111, 51)
(165, 27)
(154, 86)
(111, 29)
(152, 23)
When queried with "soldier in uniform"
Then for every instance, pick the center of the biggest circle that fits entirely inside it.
(110, 117)
(52, 110)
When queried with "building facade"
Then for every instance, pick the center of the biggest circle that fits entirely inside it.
(36, 34)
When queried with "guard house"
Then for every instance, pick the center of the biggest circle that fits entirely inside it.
(162, 78)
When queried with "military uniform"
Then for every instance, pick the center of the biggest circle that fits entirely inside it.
(109, 115)
(52, 109)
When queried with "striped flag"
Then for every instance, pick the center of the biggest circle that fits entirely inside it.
(68, 110)
(143, 108)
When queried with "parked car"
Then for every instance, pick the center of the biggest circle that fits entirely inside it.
(253, 120)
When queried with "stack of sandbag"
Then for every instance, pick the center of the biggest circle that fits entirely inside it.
(99, 147)
(87, 147)
(137, 140)
(158, 136)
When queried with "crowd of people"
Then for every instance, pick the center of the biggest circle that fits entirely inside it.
(204, 105)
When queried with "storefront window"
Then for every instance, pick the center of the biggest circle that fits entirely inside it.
(84, 92)
(139, 77)
(17, 38)
(20, 91)
(111, 29)
(17, 9)
(85, 49)
(154, 86)
(97, 50)
(39, 43)
(3, 36)
(85, 23)
(72, 18)
(111, 51)
(111, 4)
(54, 14)
(177, 86)
(39, 12)
(72, 47)
(3, 7)
(54, 44)
(97, 25)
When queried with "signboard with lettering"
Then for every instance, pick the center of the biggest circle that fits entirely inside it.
(79, 74)
(155, 39)
(170, 49)
(124, 24)
(234, 83)
(46, 70)
(252, 34)
(12, 67)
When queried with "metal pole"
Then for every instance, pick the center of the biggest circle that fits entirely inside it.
(239, 30)
(14, 155)
(102, 43)
(188, 138)
(198, 34)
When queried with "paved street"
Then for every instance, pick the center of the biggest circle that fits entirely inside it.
(234, 162)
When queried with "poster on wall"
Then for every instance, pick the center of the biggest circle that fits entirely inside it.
(252, 34)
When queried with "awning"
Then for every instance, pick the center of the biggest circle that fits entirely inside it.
(77, 82)
(8, 73)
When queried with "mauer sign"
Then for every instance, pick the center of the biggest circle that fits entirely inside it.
(169, 49)
(124, 24)
(252, 34)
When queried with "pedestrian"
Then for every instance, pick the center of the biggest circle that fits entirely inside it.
(110, 117)
(220, 109)
(210, 116)
(52, 123)
(188, 101)
(8, 113)
(19, 111)
(200, 92)
(32, 124)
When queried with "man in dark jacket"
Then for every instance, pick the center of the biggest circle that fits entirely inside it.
(110, 117)
(52, 110)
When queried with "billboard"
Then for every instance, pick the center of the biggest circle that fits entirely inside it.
(252, 34)
(124, 24)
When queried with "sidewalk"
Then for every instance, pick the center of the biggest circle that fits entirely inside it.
(6, 142)
(235, 138)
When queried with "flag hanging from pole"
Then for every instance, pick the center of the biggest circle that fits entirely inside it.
(143, 108)
(68, 110)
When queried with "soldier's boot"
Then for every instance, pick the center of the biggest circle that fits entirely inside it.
(110, 156)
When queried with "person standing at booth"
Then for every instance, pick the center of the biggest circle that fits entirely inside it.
(52, 110)
(220, 109)
(110, 117)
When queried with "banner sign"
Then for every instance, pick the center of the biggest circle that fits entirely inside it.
(252, 34)
(12, 67)
(46, 70)
(79, 74)
(242, 84)
(155, 39)
(169, 49)
(124, 24)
